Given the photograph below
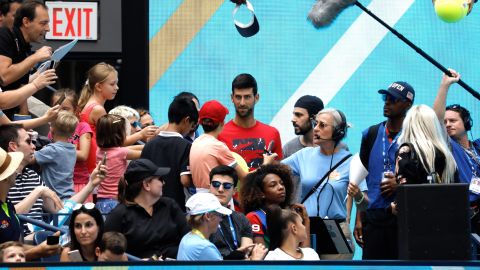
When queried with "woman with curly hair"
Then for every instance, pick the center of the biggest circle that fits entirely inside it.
(268, 185)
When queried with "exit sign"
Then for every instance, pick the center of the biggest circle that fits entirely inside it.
(70, 20)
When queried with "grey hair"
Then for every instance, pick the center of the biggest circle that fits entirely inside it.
(337, 118)
(125, 111)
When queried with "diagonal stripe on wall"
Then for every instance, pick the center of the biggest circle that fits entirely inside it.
(177, 33)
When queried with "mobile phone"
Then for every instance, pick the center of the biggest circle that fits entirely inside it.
(75, 256)
(53, 240)
(60, 100)
(104, 161)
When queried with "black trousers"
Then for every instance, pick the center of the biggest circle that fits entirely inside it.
(379, 235)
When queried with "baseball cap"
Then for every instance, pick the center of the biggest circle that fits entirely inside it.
(213, 110)
(249, 29)
(401, 90)
(312, 104)
(140, 169)
(201, 203)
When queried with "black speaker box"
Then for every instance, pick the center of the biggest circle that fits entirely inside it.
(433, 222)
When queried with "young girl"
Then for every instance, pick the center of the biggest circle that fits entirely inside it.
(82, 138)
(287, 232)
(111, 130)
(268, 185)
(101, 85)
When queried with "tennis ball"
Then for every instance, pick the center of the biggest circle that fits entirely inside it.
(451, 10)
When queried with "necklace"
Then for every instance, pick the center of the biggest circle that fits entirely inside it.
(298, 253)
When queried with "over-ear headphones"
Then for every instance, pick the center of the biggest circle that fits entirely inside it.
(464, 114)
(340, 130)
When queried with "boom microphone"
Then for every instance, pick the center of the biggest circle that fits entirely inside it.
(324, 12)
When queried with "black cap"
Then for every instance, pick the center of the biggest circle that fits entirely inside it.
(312, 104)
(401, 90)
(249, 29)
(140, 169)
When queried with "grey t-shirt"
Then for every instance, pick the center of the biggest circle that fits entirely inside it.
(292, 146)
(57, 161)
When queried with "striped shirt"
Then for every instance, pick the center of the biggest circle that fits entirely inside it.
(25, 183)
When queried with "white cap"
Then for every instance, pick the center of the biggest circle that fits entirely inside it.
(202, 203)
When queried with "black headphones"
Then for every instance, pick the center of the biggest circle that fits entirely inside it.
(340, 130)
(464, 114)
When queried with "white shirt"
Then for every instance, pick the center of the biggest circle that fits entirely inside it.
(309, 254)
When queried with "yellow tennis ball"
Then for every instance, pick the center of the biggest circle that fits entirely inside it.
(451, 10)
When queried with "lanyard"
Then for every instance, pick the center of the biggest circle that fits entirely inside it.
(472, 157)
(199, 233)
(234, 235)
(387, 165)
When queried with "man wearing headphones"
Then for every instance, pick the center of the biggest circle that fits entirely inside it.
(376, 228)
(324, 173)
(458, 122)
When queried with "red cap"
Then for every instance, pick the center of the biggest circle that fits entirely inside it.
(213, 110)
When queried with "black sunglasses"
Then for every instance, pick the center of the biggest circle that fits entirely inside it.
(217, 184)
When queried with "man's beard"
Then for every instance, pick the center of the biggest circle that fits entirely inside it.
(246, 114)
(302, 130)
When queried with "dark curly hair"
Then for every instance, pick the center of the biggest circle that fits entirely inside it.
(251, 192)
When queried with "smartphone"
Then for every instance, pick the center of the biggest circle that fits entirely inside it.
(60, 100)
(53, 240)
(104, 161)
(75, 256)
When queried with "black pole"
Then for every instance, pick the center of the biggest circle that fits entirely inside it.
(418, 50)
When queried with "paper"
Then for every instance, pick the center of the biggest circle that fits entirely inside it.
(57, 55)
(358, 172)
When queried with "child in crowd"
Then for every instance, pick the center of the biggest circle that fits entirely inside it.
(288, 231)
(135, 133)
(100, 86)
(112, 248)
(57, 159)
(12, 252)
(111, 133)
(82, 138)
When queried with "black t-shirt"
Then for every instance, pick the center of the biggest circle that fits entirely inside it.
(14, 46)
(170, 150)
(223, 239)
(10, 228)
(159, 234)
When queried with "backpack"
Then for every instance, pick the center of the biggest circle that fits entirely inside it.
(367, 143)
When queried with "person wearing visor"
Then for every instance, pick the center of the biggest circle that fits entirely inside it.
(153, 224)
(204, 216)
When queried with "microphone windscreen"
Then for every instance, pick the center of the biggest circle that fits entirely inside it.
(324, 12)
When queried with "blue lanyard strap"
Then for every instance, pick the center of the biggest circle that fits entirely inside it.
(472, 157)
(387, 165)
(234, 235)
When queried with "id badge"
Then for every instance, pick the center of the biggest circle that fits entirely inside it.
(475, 185)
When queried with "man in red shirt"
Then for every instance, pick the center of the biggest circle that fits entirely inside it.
(244, 134)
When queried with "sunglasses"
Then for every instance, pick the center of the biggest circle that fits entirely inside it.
(217, 184)
(391, 98)
(136, 124)
(88, 206)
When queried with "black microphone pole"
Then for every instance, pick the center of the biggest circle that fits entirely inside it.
(418, 50)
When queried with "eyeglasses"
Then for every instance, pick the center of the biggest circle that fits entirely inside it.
(391, 98)
(88, 206)
(217, 184)
(322, 125)
(148, 124)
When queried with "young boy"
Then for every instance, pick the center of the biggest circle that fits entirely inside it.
(57, 159)
(112, 248)
(12, 251)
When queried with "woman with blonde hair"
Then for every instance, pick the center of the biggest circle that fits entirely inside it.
(423, 132)
(101, 85)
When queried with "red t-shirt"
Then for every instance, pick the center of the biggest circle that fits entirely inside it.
(250, 143)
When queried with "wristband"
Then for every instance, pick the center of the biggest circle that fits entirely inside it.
(361, 200)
